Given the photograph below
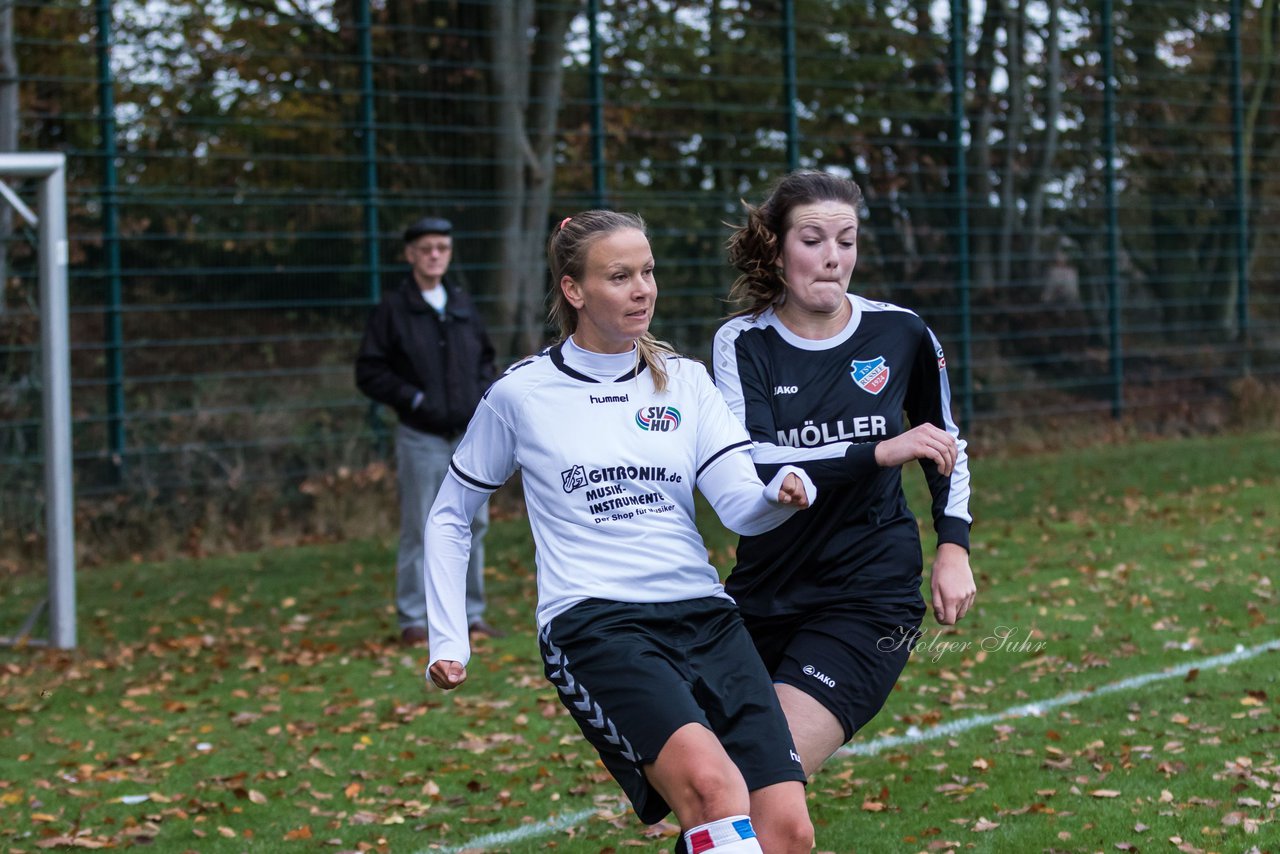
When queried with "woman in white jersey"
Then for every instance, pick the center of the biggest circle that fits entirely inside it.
(822, 378)
(611, 432)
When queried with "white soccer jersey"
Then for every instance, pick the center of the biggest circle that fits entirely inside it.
(608, 467)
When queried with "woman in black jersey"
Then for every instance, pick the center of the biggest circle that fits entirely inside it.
(822, 378)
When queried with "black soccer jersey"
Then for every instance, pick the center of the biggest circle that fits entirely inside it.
(823, 405)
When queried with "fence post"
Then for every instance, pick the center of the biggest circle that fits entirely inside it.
(789, 72)
(960, 187)
(1242, 195)
(111, 244)
(1113, 222)
(369, 128)
(597, 108)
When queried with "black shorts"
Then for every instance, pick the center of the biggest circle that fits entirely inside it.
(631, 674)
(847, 656)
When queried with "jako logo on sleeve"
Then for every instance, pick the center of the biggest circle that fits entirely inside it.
(658, 419)
(872, 375)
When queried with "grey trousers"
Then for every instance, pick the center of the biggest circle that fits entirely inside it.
(422, 462)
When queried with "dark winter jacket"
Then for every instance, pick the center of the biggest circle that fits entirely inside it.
(409, 348)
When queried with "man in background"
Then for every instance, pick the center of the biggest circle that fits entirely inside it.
(426, 354)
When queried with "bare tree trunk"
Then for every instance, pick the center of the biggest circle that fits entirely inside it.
(1256, 147)
(1268, 15)
(8, 133)
(509, 24)
(1049, 149)
(526, 87)
(546, 85)
(1015, 47)
(984, 64)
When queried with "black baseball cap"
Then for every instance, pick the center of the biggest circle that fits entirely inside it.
(427, 225)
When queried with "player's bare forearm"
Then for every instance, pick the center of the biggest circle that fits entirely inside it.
(951, 584)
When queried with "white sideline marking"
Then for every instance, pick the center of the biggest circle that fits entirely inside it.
(528, 831)
(915, 736)
(912, 736)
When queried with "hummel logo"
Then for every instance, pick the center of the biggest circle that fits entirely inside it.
(810, 670)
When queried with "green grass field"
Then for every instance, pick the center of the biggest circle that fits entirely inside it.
(258, 703)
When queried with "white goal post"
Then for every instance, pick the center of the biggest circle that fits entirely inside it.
(55, 372)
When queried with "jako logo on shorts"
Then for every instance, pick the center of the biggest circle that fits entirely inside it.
(658, 419)
(810, 670)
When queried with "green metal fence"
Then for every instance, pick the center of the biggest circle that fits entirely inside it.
(1078, 195)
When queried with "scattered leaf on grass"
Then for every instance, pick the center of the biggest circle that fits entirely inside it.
(298, 833)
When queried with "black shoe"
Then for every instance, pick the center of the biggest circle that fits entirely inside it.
(479, 628)
(413, 636)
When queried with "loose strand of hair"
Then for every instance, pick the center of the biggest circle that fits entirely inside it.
(654, 353)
